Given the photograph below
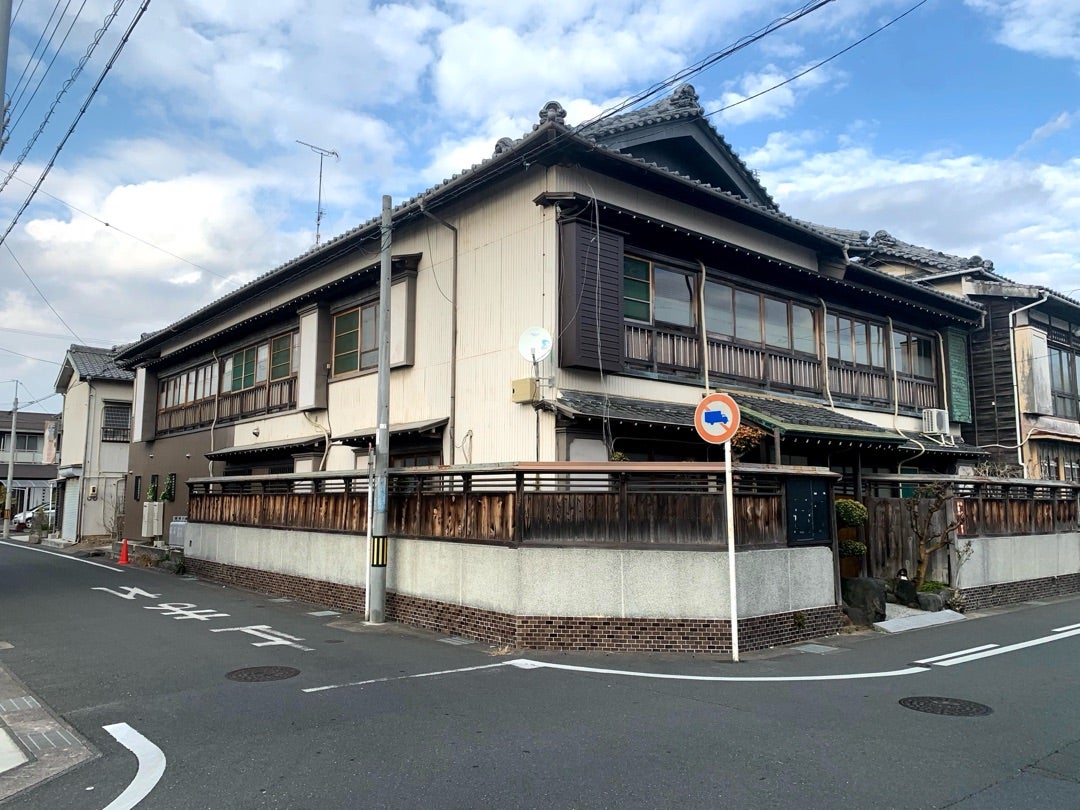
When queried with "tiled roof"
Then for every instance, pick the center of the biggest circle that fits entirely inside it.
(681, 105)
(97, 364)
(552, 118)
(790, 416)
(884, 243)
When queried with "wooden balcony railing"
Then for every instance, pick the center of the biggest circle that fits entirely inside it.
(263, 398)
(628, 504)
(662, 350)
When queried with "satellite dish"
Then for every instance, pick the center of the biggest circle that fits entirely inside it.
(535, 344)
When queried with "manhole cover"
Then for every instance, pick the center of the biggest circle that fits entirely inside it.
(952, 707)
(261, 674)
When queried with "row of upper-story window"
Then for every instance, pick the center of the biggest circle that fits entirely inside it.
(355, 349)
(656, 294)
(274, 359)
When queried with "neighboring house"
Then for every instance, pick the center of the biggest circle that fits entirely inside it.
(33, 465)
(94, 437)
(649, 252)
(1024, 356)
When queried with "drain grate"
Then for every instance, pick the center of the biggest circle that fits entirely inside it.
(262, 674)
(951, 707)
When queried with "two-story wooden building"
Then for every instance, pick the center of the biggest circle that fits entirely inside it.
(648, 252)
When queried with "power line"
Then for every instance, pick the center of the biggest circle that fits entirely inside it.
(839, 53)
(56, 53)
(31, 333)
(63, 91)
(28, 357)
(37, 289)
(131, 235)
(528, 154)
(82, 111)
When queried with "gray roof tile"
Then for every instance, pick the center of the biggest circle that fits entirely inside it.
(97, 364)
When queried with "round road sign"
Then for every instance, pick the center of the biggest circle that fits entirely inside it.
(716, 418)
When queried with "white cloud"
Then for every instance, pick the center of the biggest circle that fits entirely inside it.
(1044, 27)
(777, 99)
(1018, 214)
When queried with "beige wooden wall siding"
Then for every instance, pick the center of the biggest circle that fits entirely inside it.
(76, 422)
(506, 278)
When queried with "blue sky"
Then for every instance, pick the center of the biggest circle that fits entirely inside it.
(954, 128)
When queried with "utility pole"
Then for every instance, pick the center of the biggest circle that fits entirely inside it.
(322, 153)
(376, 594)
(5, 37)
(10, 466)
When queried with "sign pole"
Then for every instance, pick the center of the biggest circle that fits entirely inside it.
(729, 512)
(717, 420)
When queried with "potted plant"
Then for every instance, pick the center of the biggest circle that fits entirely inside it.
(850, 515)
(851, 557)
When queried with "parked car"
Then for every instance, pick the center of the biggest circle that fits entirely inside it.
(24, 520)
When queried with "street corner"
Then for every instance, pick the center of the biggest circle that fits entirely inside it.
(35, 745)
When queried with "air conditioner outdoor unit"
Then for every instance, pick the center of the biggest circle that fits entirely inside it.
(935, 420)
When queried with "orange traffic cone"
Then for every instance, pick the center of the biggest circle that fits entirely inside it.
(123, 554)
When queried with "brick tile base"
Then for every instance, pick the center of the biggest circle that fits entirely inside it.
(542, 632)
(1006, 593)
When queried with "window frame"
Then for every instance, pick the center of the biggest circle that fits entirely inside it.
(252, 365)
(365, 352)
(668, 269)
(791, 344)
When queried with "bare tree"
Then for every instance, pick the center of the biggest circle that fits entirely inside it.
(930, 521)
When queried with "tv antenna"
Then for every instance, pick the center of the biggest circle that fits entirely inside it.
(322, 153)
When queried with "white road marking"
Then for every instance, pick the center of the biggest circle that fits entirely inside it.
(1063, 629)
(406, 677)
(937, 658)
(526, 663)
(945, 660)
(65, 556)
(1035, 642)
(151, 766)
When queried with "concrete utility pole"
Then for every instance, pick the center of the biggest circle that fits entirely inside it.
(5, 36)
(10, 466)
(376, 594)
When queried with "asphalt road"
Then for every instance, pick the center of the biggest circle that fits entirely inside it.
(364, 723)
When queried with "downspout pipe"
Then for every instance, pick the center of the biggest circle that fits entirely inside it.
(704, 331)
(451, 423)
(1015, 375)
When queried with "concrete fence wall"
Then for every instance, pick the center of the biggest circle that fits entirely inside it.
(1001, 560)
(599, 582)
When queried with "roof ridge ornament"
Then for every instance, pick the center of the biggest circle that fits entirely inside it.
(682, 98)
(552, 111)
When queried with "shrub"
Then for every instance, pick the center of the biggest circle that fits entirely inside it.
(850, 513)
(852, 548)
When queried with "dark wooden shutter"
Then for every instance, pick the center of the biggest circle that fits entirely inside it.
(590, 297)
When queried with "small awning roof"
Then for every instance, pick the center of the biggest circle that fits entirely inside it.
(360, 437)
(792, 418)
(268, 448)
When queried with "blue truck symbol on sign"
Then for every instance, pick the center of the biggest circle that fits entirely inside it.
(713, 417)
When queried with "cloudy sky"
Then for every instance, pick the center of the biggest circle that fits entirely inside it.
(955, 127)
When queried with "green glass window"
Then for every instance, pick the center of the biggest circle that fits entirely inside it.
(637, 291)
(281, 362)
(356, 339)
